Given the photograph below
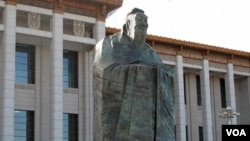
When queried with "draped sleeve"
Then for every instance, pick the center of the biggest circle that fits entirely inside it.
(133, 94)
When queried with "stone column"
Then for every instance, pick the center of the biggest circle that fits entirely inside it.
(99, 33)
(7, 77)
(88, 95)
(99, 30)
(56, 78)
(180, 113)
(230, 90)
(206, 101)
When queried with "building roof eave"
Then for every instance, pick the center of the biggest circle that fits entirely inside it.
(194, 45)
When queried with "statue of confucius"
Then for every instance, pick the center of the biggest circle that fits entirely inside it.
(133, 89)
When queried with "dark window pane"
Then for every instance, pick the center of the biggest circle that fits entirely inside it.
(23, 125)
(70, 127)
(223, 93)
(200, 133)
(25, 64)
(198, 89)
(70, 69)
(186, 133)
(184, 85)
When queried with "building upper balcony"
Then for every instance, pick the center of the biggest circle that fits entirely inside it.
(94, 8)
(34, 17)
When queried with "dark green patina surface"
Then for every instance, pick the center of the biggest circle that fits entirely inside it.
(133, 93)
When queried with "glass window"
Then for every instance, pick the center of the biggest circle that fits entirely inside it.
(70, 127)
(70, 69)
(223, 93)
(24, 126)
(198, 90)
(184, 85)
(25, 64)
(200, 133)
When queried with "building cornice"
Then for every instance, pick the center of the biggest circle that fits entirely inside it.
(104, 7)
(10, 2)
(208, 52)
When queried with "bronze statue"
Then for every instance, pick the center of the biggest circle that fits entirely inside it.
(133, 89)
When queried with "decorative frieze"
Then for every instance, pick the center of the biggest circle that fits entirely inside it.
(218, 57)
(217, 65)
(164, 48)
(192, 61)
(241, 69)
(79, 11)
(241, 61)
(170, 58)
(90, 8)
(79, 28)
(192, 53)
(34, 20)
(37, 3)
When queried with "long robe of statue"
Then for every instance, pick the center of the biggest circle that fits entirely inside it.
(133, 93)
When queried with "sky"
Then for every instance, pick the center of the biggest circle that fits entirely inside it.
(222, 23)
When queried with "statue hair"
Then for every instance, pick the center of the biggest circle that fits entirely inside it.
(133, 11)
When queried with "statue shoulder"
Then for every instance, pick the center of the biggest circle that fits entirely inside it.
(104, 49)
(153, 54)
(107, 41)
(102, 42)
(149, 47)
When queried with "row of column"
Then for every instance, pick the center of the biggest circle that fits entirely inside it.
(180, 112)
(7, 78)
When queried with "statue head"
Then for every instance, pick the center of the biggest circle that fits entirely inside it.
(136, 26)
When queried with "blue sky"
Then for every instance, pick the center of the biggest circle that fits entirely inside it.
(223, 23)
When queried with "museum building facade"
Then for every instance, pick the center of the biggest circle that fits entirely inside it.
(210, 83)
(46, 79)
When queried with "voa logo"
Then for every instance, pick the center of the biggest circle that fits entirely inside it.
(236, 132)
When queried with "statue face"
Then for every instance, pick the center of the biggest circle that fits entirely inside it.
(137, 28)
(137, 25)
